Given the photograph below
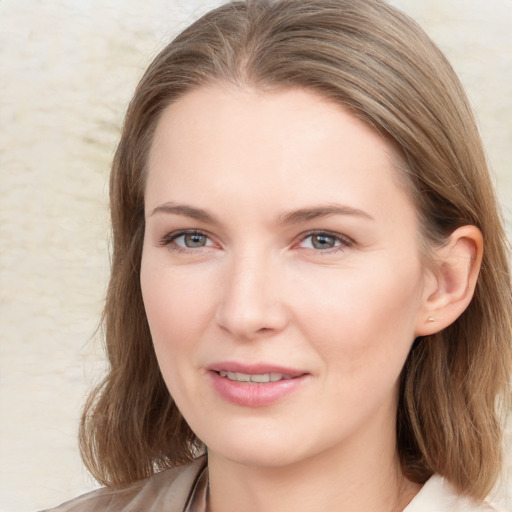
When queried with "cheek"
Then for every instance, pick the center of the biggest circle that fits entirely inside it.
(176, 304)
(177, 309)
(362, 317)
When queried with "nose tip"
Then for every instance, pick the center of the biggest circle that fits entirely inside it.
(252, 303)
(246, 324)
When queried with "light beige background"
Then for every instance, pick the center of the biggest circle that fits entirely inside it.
(67, 70)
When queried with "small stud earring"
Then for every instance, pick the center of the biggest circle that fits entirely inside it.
(431, 319)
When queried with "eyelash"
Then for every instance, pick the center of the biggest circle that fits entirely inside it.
(169, 240)
(344, 241)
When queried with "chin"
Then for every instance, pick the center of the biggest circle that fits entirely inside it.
(240, 442)
(256, 449)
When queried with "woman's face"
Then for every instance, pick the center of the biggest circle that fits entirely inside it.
(281, 274)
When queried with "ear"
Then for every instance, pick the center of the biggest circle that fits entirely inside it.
(450, 285)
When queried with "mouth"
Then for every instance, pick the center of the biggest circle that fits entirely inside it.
(255, 385)
(258, 378)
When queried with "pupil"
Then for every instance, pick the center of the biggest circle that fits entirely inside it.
(323, 242)
(195, 240)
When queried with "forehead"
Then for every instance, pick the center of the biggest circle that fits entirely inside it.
(291, 145)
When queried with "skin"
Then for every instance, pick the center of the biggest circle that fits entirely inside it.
(254, 286)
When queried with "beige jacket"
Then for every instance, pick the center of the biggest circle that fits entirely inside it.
(184, 489)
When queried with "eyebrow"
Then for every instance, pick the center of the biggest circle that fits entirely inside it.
(294, 217)
(186, 211)
(307, 214)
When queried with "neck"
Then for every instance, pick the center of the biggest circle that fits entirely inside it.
(345, 479)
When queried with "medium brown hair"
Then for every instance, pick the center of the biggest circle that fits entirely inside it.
(375, 61)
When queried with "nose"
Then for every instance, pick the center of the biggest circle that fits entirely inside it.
(252, 299)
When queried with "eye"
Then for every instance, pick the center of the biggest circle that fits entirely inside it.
(191, 240)
(185, 240)
(325, 241)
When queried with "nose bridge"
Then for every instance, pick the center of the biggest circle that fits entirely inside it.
(251, 299)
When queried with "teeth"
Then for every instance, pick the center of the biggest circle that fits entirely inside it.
(258, 378)
(240, 377)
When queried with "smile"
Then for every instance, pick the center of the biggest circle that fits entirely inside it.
(258, 385)
(261, 378)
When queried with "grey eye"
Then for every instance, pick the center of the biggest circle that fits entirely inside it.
(193, 240)
(323, 241)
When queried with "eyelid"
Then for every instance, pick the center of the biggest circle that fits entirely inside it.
(345, 241)
(168, 239)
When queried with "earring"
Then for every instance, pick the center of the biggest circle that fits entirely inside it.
(431, 319)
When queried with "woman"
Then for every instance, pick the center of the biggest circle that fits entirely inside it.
(310, 299)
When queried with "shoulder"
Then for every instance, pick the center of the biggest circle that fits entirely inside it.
(439, 495)
(168, 490)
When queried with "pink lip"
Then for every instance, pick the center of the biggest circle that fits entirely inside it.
(250, 394)
(254, 369)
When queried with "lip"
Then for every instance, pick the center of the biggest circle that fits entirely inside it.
(253, 369)
(250, 394)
